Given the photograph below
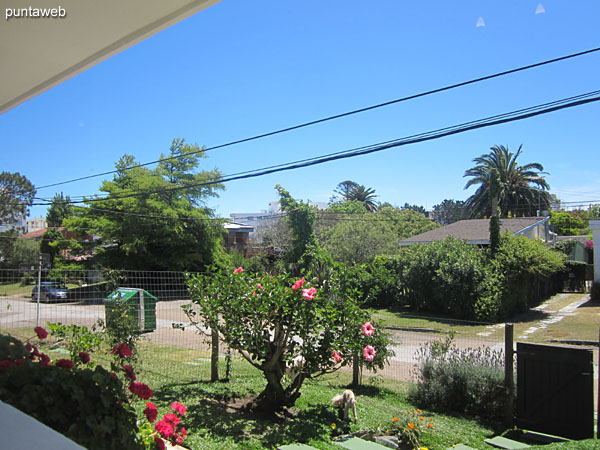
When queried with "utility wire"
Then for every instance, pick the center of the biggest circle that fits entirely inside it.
(430, 135)
(338, 116)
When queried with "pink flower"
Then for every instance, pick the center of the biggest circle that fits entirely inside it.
(84, 357)
(254, 293)
(309, 294)
(260, 287)
(238, 270)
(159, 443)
(589, 244)
(141, 390)
(64, 363)
(369, 353)
(122, 350)
(150, 412)
(41, 333)
(129, 373)
(165, 429)
(298, 284)
(178, 408)
(336, 355)
(368, 329)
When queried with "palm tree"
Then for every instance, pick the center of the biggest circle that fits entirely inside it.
(343, 191)
(522, 190)
(364, 195)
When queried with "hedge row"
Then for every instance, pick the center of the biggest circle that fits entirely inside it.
(460, 280)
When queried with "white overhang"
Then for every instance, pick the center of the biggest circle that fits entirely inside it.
(36, 54)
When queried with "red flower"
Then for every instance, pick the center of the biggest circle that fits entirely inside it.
(64, 363)
(129, 373)
(5, 364)
(141, 390)
(114, 375)
(44, 360)
(150, 412)
(178, 408)
(159, 443)
(122, 350)
(172, 419)
(238, 270)
(179, 436)
(41, 333)
(298, 284)
(165, 429)
(84, 357)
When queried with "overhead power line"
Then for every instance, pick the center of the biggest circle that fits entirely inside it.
(521, 114)
(338, 116)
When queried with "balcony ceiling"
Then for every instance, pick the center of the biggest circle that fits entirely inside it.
(36, 54)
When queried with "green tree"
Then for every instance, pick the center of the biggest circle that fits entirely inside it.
(301, 221)
(406, 222)
(349, 191)
(16, 195)
(343, 191)
(359, 239)
(417, 208)
(155, 218)
(290, 331)
(522, 191)
(60, 208)
(450, 211)
(565, 224)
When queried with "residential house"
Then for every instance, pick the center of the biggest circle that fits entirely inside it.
(237, 236)
(477, 231)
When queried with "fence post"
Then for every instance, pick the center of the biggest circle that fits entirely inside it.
(355, 370)
(509, 382)
(214, 355)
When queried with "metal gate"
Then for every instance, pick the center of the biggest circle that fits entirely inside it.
(555, 390)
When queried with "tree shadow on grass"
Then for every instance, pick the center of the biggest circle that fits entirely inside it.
(219, 408)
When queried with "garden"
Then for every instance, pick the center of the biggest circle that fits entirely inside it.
(293, 338)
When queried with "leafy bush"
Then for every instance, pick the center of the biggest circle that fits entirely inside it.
(469, 381)
(87, 406)
(27, 279)
(441, 277)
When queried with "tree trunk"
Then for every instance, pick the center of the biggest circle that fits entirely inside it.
(274, 397)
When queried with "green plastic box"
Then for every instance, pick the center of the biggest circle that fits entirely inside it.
(140, 304)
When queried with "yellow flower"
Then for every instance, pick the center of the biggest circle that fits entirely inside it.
(333, 426)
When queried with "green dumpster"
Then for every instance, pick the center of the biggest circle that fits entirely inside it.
(140, 304)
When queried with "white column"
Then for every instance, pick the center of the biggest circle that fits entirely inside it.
(595, 226)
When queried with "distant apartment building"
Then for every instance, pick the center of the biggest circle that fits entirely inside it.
(36, 223)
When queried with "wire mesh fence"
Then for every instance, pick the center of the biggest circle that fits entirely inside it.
(182, 352)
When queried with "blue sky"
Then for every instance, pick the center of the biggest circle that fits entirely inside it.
(243, 68)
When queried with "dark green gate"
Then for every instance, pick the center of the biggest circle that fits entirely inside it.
(555, 390)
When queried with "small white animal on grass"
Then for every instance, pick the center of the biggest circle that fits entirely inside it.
(346, 401)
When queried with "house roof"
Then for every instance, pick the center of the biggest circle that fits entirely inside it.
(241, 227)
(475, 231)
(38, 233)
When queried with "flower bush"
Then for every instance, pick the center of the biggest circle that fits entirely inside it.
(289, 323)
(91, 407)
(410, 427)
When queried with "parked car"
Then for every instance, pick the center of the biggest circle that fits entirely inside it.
(50, 291)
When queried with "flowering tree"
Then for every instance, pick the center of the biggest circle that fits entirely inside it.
(289, 329)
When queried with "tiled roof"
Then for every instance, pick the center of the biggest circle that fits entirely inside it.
(473, 230)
